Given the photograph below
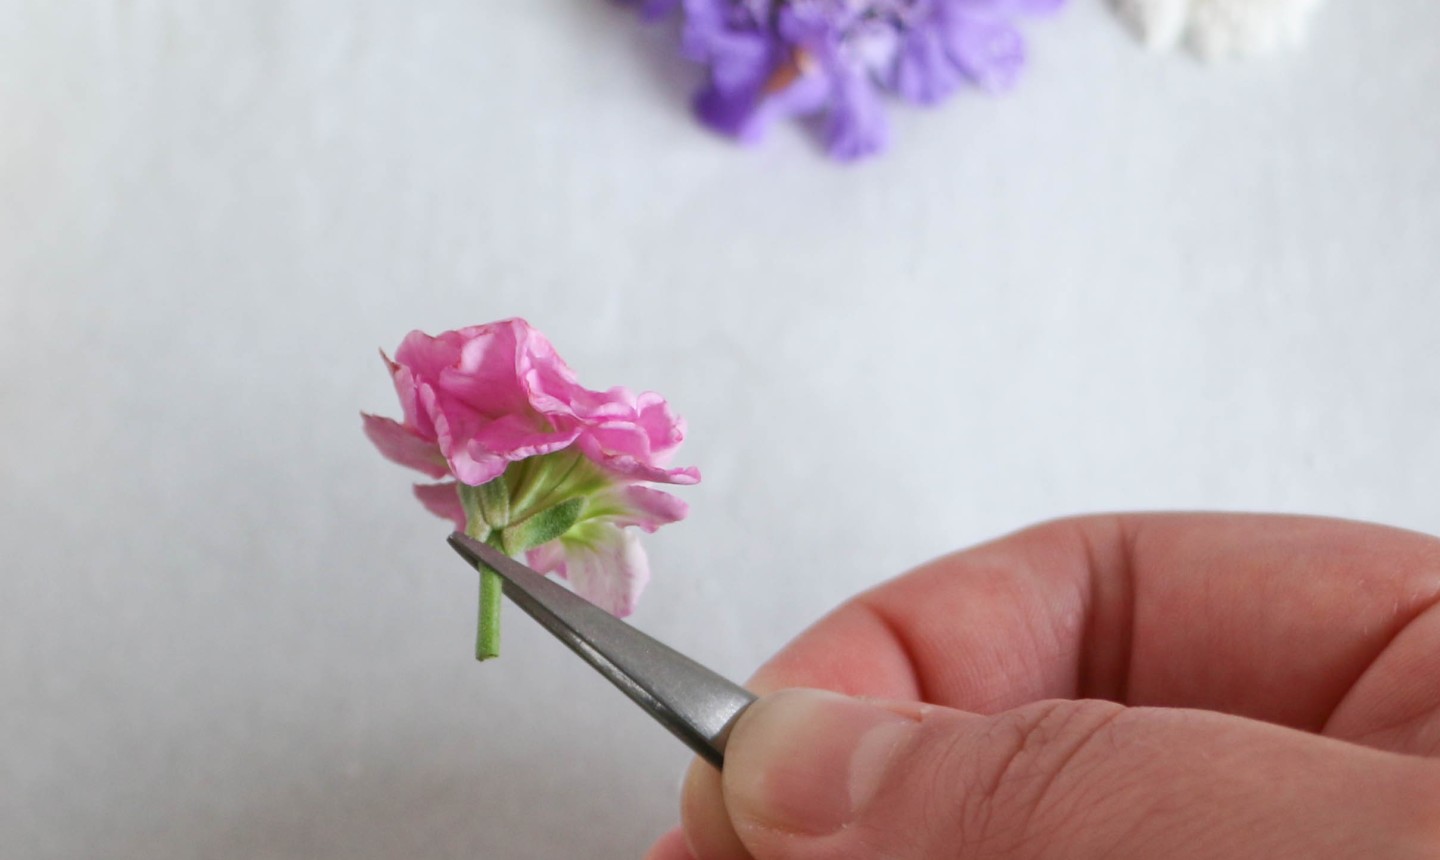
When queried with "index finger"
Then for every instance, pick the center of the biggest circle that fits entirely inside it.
(1269, 617)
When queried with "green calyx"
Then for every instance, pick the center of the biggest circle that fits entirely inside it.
(544, 526)
(532, 502)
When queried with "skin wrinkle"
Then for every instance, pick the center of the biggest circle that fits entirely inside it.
(1089, 737)
(1127, 826)
(1051, 642)
(1096, 678)
(906, 647)
(1422, 602)
(974, 819)
(1212, 591)
(1319, 726)
(1132, 824)
(778, 672)
(1146, 618)
(951, 684)
(1423, 613)
(1031, 730)
(1087, 670)
(1129, 539)
(1416, 728)
(1427, 602)
(1019, 730)
(1021, 579)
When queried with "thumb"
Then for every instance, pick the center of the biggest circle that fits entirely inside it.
(810, 774)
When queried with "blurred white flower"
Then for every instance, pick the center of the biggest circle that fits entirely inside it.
(1217, 29)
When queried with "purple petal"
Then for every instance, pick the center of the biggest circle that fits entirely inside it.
(654, 10)
(732, 114)
(745, 115)
(812, 23)
(990, 53)
(856, 126)
(923, 72)
(741, 62)
(1006, 8)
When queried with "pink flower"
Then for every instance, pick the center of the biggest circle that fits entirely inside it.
(482, 397)
(496, 403)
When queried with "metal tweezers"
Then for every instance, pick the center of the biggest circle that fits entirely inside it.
(695, 704)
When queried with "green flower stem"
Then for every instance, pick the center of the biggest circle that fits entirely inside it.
(492, 592)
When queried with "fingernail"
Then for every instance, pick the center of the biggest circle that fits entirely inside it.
(805, 761)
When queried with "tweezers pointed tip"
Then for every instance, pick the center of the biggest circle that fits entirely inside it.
(469, 548)
(457, 542)
(477, 552)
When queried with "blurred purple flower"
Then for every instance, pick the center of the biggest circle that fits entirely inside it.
(770, 59)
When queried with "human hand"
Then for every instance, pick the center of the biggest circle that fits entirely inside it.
(1176, 686)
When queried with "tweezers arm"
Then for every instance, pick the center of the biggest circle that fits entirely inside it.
(695, 704)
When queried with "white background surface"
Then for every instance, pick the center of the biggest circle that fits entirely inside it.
(227, 631)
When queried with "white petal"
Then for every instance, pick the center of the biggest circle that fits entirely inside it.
(1238, 28)
(608, 568)
(1159, 24)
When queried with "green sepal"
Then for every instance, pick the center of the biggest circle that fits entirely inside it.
(545, 526)
(539, 483)
(495, 502)
(488, 503)
(470, 501)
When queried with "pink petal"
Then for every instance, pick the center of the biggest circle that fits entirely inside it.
(634, 505)
(478, 450)
(597, 406)
(495, 446)
(633, 437)
(484, 378)
(606, 565)
(403, 446)
(633, 468)
(418, 363)
(477, 466)
(665, 429)
(610, 570)
(443, 501)
(426, 356)
(452, 426)
(547, 558)
(550, 385)
(515, 437)
(408, 390)
(621, 450)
